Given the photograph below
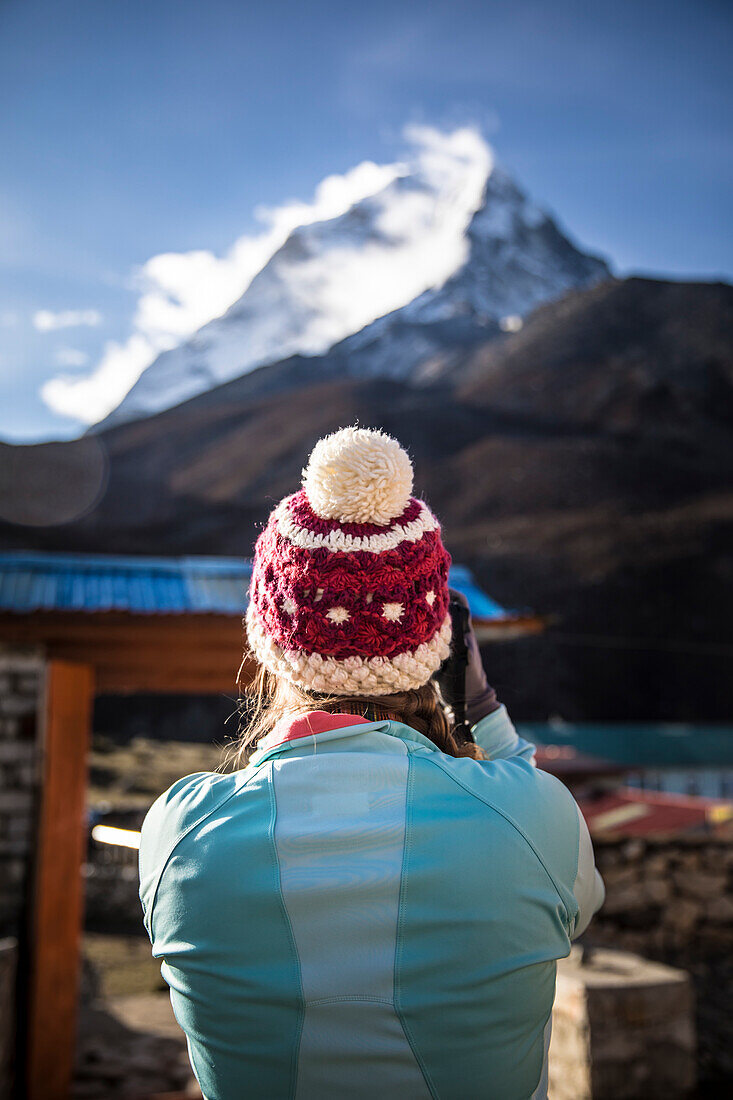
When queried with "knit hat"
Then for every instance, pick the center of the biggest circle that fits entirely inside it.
(349, 588)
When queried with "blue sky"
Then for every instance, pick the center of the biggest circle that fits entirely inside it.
(155, 126)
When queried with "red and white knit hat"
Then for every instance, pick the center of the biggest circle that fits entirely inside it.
(349, 589)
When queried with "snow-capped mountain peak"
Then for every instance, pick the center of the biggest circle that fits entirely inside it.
(449, 237)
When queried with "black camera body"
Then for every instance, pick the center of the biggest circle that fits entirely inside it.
(451, 676)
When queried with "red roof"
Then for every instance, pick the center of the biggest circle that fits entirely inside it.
(627, 811)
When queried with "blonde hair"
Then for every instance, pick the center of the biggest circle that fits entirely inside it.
(266, 698)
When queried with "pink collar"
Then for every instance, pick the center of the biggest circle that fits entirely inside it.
(307, 725)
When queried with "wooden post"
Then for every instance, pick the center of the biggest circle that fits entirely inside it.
(57, 906)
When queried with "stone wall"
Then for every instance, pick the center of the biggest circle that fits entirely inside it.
(672, 900)
(671, 897)
(21, 683)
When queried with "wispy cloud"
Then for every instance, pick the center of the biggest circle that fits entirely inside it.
(420, 241)
(181, 291)
(415, 239)
(71, 357)
(47, 321)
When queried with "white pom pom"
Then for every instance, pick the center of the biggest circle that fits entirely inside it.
(358, 475)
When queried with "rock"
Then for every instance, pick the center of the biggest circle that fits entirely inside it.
(622, 1029)
(634, 849)
(720, 911)
(685, 861)
(699, 884)
(619, 877)
(656, 864)
(17, 706)
(681, 916)
(657, 891)
(627, 900)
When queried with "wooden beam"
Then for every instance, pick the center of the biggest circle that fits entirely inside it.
(197, 654)
(89, 629)
(57, 904)
(177, 654)
(205, 674)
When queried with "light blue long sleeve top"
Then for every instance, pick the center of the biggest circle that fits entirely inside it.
(356, 914)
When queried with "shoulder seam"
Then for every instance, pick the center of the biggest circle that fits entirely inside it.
(515, 825)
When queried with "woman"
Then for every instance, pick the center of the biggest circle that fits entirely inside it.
(374, 905)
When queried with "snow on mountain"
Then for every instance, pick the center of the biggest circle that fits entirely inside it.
(331, 278)
(518, 258)
(438, 257)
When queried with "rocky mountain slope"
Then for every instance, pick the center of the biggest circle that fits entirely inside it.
(583, 466)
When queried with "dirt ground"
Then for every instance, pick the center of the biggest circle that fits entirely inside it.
(131, 1048)
(123, 965)
(129, 1044)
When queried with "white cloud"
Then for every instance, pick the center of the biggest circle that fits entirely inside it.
(47, 321)
(71, 357)
(76, 397)
(419, 243)
(181, 291)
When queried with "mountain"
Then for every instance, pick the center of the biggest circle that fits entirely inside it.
(632, 355)
(583, 466)
(463, 258)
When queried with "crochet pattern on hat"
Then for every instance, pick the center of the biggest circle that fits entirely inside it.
(349, 585)
(356, 604)
(297, 522)
(353, 675)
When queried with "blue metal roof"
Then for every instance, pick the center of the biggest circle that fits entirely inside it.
(482, 606)
(154, 586)
(140, 585)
